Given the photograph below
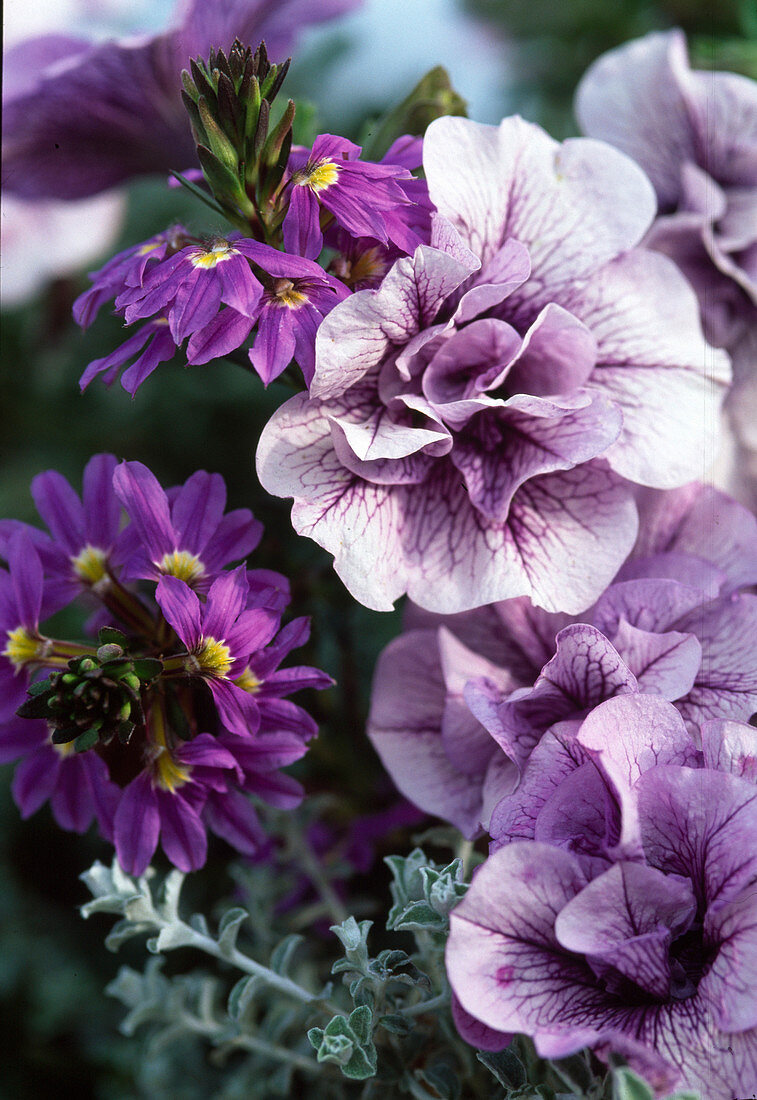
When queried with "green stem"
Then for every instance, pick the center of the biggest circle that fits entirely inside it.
(430, 1005)
(262, 1046)
(302, 851)
(259, 1046)
(249, 966)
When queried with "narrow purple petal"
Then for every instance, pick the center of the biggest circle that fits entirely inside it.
(181, 608)
(137, 825)
(141, 494)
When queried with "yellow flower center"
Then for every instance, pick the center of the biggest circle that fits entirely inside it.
(248, 681)
(180, 563)
(317, 176)
(149, 247)
(286, 294)
(90, 564)
(168, 774)
(208, 257)
(66, 749)
(22, 647)
(214, 657)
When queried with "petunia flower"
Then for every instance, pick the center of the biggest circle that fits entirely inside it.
(646, 954)
(695, 134)
(482, 689)
(474, 425)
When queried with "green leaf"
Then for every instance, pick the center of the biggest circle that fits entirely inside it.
(396, 1024)
(505, 1066)
(147, 668)
(281, 956)
(228, 929)
(109, 635)
(242, 995)
(86, 740)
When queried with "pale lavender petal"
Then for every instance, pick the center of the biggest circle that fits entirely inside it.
(561, 202)
(663, 664)
(632, 98)
(650, 357)
(359, 331)
(504, 962)
(726, 685)
(557, 755)
(585, 670)
(562, 535)
(558, 355)
(404, 726)
(701, 824)
(730, 982)
(701, 521)
(627, 918)
(476, 1033)
(730, 747)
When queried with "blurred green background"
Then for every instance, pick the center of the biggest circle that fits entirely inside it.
(516, 55)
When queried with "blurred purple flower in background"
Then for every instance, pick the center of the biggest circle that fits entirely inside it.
(695, 135)
(88, 117)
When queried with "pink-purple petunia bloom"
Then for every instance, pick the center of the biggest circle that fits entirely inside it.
(480, 690)
(474, 424)
(619, 909)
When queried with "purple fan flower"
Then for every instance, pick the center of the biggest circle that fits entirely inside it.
(21, 600)
(220, 636)
(77, 785)
(86, 546)
(482, 688)
(474, 423)
(210, 293)
(127, 269)
(188, 537)
(190, 286)
(296, 297)
(695, 134)
(166, 801)
(366, 199)
(96, 115)
(647, 951)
